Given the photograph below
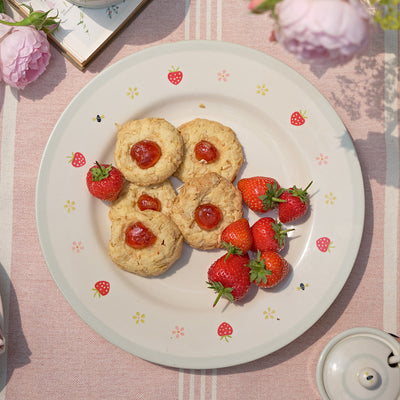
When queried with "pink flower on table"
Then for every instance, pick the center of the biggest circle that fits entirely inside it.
(24, 54)
(324, 32)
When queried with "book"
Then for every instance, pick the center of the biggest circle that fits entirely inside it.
(83, 32)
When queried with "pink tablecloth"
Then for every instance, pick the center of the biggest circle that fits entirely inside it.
(52, 354)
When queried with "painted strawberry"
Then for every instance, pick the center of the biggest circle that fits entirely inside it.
(294, 204)
(237, 238)
(229, 278)
(76, 159)
(101, 288)
(268, 269)
(104, 181)
(260, 193)
(324, 244)
(268, 234)
(225, 331)
(298, 118)
(175, 76)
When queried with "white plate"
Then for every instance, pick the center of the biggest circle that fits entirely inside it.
(170, 319)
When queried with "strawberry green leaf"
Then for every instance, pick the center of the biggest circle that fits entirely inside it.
(231, 249)
(280, 234)
(222, 291)
(271, 197)
(258, 271)
(300, 193)
(100, 172)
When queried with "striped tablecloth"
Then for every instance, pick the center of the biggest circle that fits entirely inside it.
(52, 354)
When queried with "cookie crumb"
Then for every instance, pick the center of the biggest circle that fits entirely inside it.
(201, 105)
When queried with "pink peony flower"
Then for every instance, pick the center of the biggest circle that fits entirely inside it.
(24, 54)
(322, 32)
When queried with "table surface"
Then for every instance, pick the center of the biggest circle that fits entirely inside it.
(53, 354)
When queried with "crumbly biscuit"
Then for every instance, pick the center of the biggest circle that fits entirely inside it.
(150, 261)
(209, 188)
(222, 137)
(130, 193)
(158, 130)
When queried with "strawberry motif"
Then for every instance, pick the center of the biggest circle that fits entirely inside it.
(298, 118)
(101, 288)
(225, 331)
(229, 278)
(104, 181)
(237, 238)
(76, 159)
(175, 76)
(324, 244)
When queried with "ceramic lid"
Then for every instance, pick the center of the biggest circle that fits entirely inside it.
(360, 364)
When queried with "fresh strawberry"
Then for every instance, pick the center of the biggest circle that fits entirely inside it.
(77, 159)
(294, 204)
(268, 235)
(324, 244)
(225, 331)
(237, 238)
(175, 76)
(298, 118)
(259, 193)
(268, 269)
(101, 288)
(229, 278)
(104, 181)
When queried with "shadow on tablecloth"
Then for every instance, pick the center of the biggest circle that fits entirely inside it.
(17, 352)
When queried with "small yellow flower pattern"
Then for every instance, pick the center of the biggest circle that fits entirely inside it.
(269, 313)
(69, 206)
(132, 92)
(330, 198)
(139, 318)
(262, 89)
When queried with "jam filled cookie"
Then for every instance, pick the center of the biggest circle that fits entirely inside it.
(145, 243)
(159, 197)
(204, 207)
(148, 150)
(209, 147)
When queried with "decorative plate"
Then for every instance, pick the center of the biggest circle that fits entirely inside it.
(288, 131)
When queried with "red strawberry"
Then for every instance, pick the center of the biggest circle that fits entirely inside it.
(104, 181)
(268, 235)
(77, 159)
(225, 331)
(268, 269)
(175, 76)
(324, 244)
(237, 238)
(294, 204)
(229, 278)
(298, 118)
(259, 193)
(101, 288)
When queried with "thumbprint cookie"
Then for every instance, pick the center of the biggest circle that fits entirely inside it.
(148, 151)
(158, 197)
(145, 243)
(209, 146)
(204, 207)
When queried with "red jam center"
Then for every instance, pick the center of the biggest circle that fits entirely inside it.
(146, 153)
(207, 216)
(139, 236)
(206, 151)
(146, 202)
